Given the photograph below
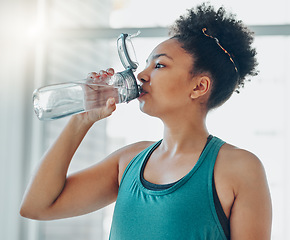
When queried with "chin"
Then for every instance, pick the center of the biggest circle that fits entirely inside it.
(147, 110)
(144, 108)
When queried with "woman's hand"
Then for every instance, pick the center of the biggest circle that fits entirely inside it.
(100, 98)
(101, 76)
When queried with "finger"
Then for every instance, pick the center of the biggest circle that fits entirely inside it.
(93, 76)
(103, 73)
(111, 102)
(110, 105)
(108, 109)
(110, 71)
(103, 76)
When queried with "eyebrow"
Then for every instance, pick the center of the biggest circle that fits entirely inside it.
(160, 55)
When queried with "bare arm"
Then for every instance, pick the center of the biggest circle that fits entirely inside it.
(51, 194)
(251, 215)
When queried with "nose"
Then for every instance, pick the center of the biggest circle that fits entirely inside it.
(143, 76)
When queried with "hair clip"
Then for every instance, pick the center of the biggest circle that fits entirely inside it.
(218, 43)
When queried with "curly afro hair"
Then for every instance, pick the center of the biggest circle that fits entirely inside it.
(209, 57)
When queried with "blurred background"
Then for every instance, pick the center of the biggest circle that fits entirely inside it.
(51, 41)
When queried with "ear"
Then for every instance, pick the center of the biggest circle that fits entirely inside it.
(201, 85)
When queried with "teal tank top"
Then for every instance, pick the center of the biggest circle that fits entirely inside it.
(184, 211)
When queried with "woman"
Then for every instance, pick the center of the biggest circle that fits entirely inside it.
(189, 185)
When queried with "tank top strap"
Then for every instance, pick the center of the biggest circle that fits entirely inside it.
(216, 144)
(135, 162)
(215, 148)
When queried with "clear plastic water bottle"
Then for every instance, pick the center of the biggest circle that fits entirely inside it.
(64, 99)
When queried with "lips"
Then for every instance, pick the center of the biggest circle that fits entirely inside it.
(143, 93)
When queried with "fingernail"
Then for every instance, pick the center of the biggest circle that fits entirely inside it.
(112, 101)
(110, 71)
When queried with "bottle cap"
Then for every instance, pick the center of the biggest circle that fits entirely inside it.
(126, 51)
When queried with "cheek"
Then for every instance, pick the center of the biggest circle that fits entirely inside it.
(173, 90)
(170, 86)
(171, 98)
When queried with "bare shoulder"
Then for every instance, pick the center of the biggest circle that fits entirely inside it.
(242, 164)
(127, 153)
(229, 151)
(242, 184)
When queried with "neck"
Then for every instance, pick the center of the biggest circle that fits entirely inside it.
(185, 134)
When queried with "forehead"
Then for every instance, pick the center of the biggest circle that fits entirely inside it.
(172, 48)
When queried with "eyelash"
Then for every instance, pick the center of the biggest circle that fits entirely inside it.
(159, 65)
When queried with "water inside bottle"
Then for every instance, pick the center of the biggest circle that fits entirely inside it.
(61, 100)
(96, 95)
